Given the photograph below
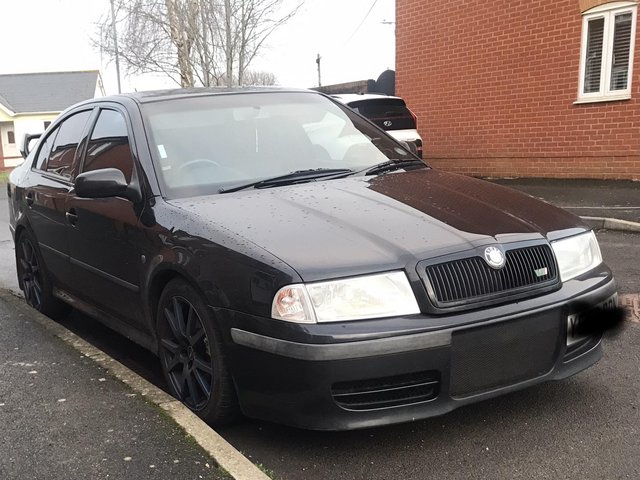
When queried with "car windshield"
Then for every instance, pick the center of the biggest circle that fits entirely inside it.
(207, 144)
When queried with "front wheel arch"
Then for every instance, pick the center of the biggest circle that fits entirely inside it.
(174, 345)
(156, 286)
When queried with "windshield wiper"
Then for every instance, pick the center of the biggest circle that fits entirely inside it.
(291, 177)
(394, 164)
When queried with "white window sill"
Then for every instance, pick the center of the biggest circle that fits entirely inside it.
(608, 98)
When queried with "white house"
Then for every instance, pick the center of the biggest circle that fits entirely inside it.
(29, 102)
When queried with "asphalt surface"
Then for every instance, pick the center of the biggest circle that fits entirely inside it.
(63, 417)
(587, 427)
(591, 198)
(621, 251)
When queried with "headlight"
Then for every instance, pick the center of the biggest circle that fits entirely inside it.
(577, 255)
(371, 296)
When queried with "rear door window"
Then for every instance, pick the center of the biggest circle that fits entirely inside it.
(66, 142)
(387, 113)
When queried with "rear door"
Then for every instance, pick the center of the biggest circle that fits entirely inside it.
(45, 194)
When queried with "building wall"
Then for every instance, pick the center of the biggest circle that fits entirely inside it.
(4, 116)
(9, 150)
(22, 124)
(494, 84)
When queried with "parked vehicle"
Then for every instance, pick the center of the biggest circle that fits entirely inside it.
(389, 113)
(287, 259)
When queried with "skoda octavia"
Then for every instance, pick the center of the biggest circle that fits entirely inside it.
(288, 260)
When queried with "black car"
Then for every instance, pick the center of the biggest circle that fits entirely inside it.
(287, 259)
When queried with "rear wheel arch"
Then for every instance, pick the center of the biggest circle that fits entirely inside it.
(20, 229)
(32, 274)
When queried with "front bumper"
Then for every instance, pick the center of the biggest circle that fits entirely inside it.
(409, 375)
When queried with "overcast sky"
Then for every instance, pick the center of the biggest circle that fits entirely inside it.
(54, 35)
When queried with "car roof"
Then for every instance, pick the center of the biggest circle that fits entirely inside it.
(358, 97)
(160, 95)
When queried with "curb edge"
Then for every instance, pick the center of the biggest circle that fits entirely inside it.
(226, 455)
(612, 224)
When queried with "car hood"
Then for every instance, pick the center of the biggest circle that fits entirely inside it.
(357, 225)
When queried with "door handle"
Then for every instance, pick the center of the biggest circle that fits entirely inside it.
(29, 199)
(72, 216)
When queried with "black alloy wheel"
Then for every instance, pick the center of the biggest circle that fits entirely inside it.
(191, 355)
(185, 353)
(29, 273)
(34, 280)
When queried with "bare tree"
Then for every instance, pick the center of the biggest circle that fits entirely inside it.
(194, 42)
(150, 39)
(256, 21)
(182, 18)
(259, 78)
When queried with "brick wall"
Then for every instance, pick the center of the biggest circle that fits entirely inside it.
(493, 86)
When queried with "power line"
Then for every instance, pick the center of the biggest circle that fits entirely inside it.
(362, 22)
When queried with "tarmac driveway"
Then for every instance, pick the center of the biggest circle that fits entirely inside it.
(591, 198)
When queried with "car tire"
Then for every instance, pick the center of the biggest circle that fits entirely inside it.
(34, 278)
(191, 355)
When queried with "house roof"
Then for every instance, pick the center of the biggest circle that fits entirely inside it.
(5, 104)
(47, 91)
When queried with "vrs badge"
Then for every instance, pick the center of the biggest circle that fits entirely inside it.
(494, 257)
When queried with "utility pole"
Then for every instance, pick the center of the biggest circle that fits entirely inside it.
(115, 43)
(318, 58)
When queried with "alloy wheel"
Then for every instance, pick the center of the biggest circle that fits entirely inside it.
(185, 353)
(30, 274)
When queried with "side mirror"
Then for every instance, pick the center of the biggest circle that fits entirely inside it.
(103, 183)
(25, 148)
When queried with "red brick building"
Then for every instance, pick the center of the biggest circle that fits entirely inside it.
(536, 88)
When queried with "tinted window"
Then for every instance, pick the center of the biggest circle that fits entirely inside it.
(109, 145)
(387, 113)
(45, 149)
(66, 142)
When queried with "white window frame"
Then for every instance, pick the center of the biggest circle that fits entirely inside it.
(608, 11)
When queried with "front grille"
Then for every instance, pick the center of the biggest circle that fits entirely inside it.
(493, 356)
(387, 392)
(471, 279)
